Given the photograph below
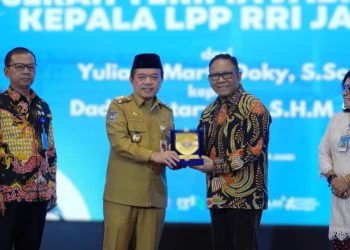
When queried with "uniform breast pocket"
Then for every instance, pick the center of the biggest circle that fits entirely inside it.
(137, 130)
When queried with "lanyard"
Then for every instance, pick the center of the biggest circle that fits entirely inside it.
(44, 139)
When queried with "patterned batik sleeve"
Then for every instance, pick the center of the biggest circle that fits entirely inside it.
(256, 135)
(52, 160)
(201, 126)
(2, 157)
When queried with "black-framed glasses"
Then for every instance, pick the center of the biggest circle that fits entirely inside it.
(224, 75)
(22, 66)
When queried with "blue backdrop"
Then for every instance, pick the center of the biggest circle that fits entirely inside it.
(293, 55)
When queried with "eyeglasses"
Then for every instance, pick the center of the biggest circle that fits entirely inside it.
(224, 75)
(143, 77)
(21, 66)
(346, 88)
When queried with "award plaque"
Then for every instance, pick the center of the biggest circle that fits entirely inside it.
(188, 145)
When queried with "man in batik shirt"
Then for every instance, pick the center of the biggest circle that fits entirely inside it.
(236, 136)
(27, 156)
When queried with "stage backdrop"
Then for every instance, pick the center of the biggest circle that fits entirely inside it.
(293, 55)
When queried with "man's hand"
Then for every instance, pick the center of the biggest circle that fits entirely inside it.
(208, 165)
(169, 158)
(2, 205)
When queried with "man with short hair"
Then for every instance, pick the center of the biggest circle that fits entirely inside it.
(236, 136)
(138, 129)
(27, 156)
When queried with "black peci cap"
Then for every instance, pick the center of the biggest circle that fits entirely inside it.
(148, 61)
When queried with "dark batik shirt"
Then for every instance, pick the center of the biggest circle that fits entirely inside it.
(236, 132)
(27, 158)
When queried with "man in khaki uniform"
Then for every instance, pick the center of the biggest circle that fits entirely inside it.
(138, 128)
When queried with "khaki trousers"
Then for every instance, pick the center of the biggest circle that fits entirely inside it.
(127, 227)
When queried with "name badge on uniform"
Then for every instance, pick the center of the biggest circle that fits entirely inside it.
(343, 143)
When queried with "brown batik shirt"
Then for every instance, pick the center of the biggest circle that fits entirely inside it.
(27, 151)
(236, 136)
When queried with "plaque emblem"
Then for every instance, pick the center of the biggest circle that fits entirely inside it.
(188, 145)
